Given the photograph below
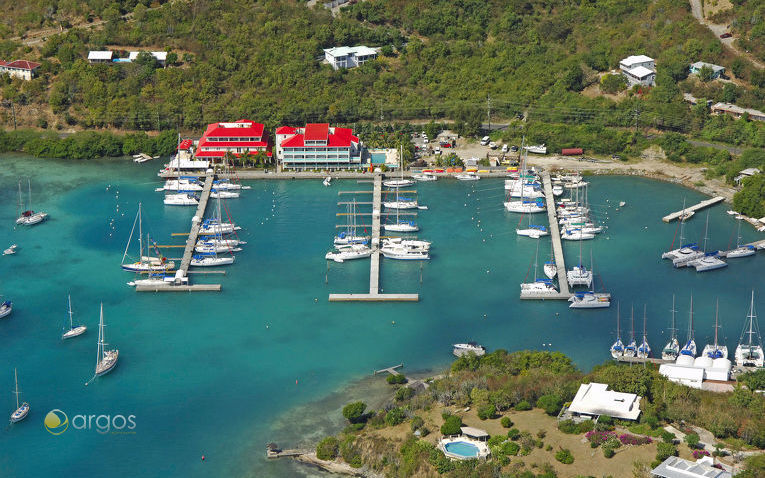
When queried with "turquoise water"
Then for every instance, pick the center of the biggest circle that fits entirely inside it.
(461, 448)
(222, 374)
(378, 158)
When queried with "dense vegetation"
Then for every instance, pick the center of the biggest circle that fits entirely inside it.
(87, 144)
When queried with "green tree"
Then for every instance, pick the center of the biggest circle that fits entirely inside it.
(564, 456)
(452, 425)
(395, 416)
(550, 403)
(750, 200)
(692, 440)
(706, 73)
(327, 449)
(612, 83)
(354, 412)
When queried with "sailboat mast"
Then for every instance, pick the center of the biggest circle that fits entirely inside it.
(16, 379)
(70, 311)
(644, 319)
(140, 234)
(690, 324)
(618, 330)
(100, 336)
(29, 186)
(751, 321)
(20, 205)
(632, 324)
(717, 310)
(673, 329)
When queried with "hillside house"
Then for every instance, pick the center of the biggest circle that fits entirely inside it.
(717, 70)
(349, 56)
(638, 70)
(23, 69)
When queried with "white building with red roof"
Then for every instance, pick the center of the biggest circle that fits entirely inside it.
(318, 146)
(239, 138)
(23, 69)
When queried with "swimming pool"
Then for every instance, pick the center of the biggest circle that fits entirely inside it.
(378, 158)
(462, 449)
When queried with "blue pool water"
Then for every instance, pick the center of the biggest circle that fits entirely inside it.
(378, 158)
(269, 358)
(463, 449)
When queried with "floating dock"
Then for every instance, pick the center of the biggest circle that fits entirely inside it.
(181, 274)
(563, 291)
(694, 208)
(374, 294)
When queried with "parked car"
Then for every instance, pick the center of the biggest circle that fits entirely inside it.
(446, 145)
(504, 148)
(726, 35)
(425, 140)
(485, 140)
(514, 149)
(615, 156)
(438, 151)
(493, 145)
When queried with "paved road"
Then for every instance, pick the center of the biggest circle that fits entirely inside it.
(698, 13)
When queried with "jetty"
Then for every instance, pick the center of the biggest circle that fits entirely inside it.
(756, 244)
(374, 294)
(181, 284)
(390, 370)
(563, 290)
(696, 207)
(655, 361)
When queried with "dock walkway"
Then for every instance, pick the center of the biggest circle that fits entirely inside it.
(694, 208)
(390, 370)
(563, 290)
(656, 361)
(374, 294)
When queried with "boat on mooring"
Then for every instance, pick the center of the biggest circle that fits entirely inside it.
(690, 345)
(22, 410)
(349, 252)
(468, 348)
(672, 349)
(715, 350)
(28, 217)
(106, 358)
(749, 351)
(644, 350)
(145, 263)
(6, 307)
(617, 348)
(741, 250)
(11, 250)
(72, 331)
(181, 199)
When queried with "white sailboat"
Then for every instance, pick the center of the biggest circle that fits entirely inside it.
(576, 234)
(106, 359)
(425, 177)
(631, 349)
(6, 307)
(690, 345)
(11, 250)
(22, 410)
(408, 226)
(672, 349)
(181, 199)
(679, 252)
(579, 275)
(145, 263)
(222, 194)
(413, 244)
(72, 331)
(741, 250)
(715, 351)
(644, 350)
(749, 351)
(534, 231)
(709, 260)
(539, 287)
(349, 252)
(349, 236)
(210, 259)
(617, 349)
(227, 185)
(590, 299)
(400, 182)
(186, 184)
(524, 205)
(29, 217)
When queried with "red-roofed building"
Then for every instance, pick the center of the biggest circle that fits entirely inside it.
(317, 146)
(239, 138)
(20, 69)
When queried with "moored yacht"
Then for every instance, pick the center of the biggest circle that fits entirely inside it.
(107, 358)
(210, 260)
(425, 177)
(349, 252)
(749, 351)
(28, 217)
(22, 410)
(672, 349)
(715, 350)
(468, 176)
(6, 307)
(644, 350)
(690, 345)
(182, 199)
(590, 300)
(399, 252)
(468, 348)
(408, 226)
(631, 349)
(72, 331)
(617, 349)
(741, 250)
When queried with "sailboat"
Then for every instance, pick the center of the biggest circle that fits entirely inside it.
(741, 250)
(349, 236)
(579, 275)
(631, 349)
(550, 268)
(349, 252)
(106, 359)
(524, 205)
(672, 349)
(644, 351)
(408, 226)
(399, 183)
(715, 351)
(685, 250)
(72, 331)
(709, 260)
(749, 352)
(617, 349)
(6, 307)
(690, 345)
(21, 410)
(533, 231)
(215, 226)
(145, 263)
(539, 286)
(590, 299)
(29, 217)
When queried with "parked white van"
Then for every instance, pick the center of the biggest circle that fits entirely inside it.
(485, 140)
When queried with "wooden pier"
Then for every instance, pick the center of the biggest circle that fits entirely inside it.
(374, 294)
(694, 208)
(563, 291)
(181, 274)
(390, 370)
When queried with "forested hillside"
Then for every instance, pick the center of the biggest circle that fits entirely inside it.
(440, 59)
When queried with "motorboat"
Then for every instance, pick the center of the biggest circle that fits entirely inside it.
(424, 177)
(469, 348)
(227, 185)
(402, 227)
(6, 307)
(10, 250)
(536, 149)
(220, 194)
(590, 300)
(468, 176)
(539, 287)
(327, 181)
(210, 260)
(749, 351)
(400, 252)
(181, 199)
(349, 252)
(557, 189)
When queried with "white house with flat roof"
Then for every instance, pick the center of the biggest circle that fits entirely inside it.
(639, 70)
(160, 56)
(594, 399)
(674, 467)
(349, 56)
(103, 56)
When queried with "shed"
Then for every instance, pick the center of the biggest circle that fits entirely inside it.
(594, 399)
(674, 467)
(476, 433)
(571, 151)
(102, 56)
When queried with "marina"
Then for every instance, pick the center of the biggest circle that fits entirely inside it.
(692, 209)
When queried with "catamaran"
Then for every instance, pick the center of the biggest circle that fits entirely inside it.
(6, 307)
(631, 349)
(715, 351)
(540, 287)
(29, 217)
(749, 352)
(106, 359)
(709, 260)
(741, 250)
(579, 275)
(672, 349)
(145, 263)
(72, 331)
(644, 351)
(617, 349)
(690, 345)
(21, 410)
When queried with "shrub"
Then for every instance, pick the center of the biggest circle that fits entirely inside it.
(628, 439)
(550, 403)
(606, 420)
(395, 416)
(597, 438)
(350, 453)
(572, 428)
(664, 451)
(506, 422)
(612, 442)
(327, 449)
(699, 453)
(396, 379)
(354, 412)
(417, 423)
(510, 448)
(486, 412)
(668, 437)
(564, 456)
(403, 393)
(608, 452)
(513, 433)
(496, 440)
(522, 406)
(451, 425)
(692, 439)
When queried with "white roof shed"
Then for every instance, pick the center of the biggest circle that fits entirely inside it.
(100, 55)
(596, 399)
(635, 60)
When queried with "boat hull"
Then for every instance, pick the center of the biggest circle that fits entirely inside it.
(20, 413)
(108, 363)
(76, 331)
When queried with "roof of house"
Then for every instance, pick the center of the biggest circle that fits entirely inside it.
(100, 55)
(749, 171)
(473, 432)
(285, 130)
(700, 64)
(682, 372)
(640, 72)
(339, 138)
(242, 127)
(185, 144)
(22, 65)
(316, 131)
(674, 467)
(596, 399)
(360, 50)
(635, 59)
(736, 109)
(159, 55)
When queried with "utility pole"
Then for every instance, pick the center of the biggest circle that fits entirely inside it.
(13, 109)
(488, 109)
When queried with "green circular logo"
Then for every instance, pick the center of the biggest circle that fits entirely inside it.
(56, 422)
